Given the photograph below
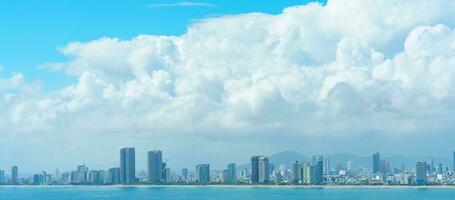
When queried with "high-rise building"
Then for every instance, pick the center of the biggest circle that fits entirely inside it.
(430, 164)
(127, 166)
(155, 166)
(82, 174)
(306, 172)
(185, 173)
(2, 177)
(95, 177)
(255, 169)
(384, 166)
(260, 172)
(14, 175)
(316, 172)
(327, 167)
(296, 172)
(203, 173)
(231, 173)
(421, 174)
(349, 165)
(376, 162)
(113, 176)
(453, 160)
(167, 175)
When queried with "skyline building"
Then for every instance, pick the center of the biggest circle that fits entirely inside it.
(14, 175)
(306, 172)
(185, 173)
(453, 160)
(203, 173)
(155, 166)
(421, 173)
(2, 177)
(260, 172)
(296, 172)
(127, 165)
(349, 165)
(231, 173)
(376, 162)
(316, 172)
(113, 176)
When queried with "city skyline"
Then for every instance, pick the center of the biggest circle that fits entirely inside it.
(314, 171)
(217, 81)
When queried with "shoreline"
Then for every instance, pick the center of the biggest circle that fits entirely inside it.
(243, 186)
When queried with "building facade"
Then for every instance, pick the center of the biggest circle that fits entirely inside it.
(155, 167)
(127, 166)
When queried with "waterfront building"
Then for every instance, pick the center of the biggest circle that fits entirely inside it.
(113, 176)
(316, 172)
(95, 177)
(421, 173)
(127, 166)
(231, 173)
(430, 165)
(203, 173)
(306, 172)
(327, 167)
(260, 172)
(185, 173)
(453, 161)
(2, 177)
(14, 175)
(296, 172)
(376, 161)
(349, 166)
(155, 167)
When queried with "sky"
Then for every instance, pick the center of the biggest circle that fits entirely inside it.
(219, 81)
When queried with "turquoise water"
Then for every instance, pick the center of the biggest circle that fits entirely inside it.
(201, 193)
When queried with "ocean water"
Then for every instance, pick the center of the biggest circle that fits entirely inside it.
(201, 193)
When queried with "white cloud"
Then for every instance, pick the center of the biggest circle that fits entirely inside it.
(348, 68)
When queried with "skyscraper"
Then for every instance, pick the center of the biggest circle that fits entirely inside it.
(316, 172)
(430, 164)
(453, 160)
(306, 172)
(421, 174)
(260, 171)
(349, 165)
(14, 175)
(185, 173)
(296, 172)
(113, 176)
(376, 162)
(155, 166)
(203, 173)
(327, 167)
(82, 173)
(255, 169)
(231, 173)
(2, 177)
(127, 166)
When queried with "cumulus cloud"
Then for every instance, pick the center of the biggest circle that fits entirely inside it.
(347, 67)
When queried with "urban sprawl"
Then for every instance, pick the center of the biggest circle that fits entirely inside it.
(260, 172)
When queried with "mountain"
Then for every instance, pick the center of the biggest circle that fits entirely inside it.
(286, 158)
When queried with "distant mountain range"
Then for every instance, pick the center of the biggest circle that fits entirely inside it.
(288, 157)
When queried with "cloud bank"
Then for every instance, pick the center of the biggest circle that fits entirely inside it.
(350, 68)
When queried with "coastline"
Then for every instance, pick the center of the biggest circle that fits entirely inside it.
(243, 186)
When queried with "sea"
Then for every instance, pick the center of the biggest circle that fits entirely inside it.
(238, 193)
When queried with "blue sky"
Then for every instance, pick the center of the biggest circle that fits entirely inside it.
(31, 31)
